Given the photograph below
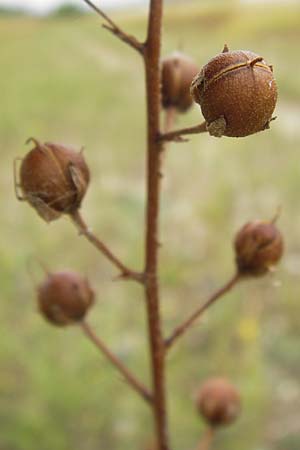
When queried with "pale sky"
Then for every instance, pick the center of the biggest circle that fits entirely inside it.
(41, 6)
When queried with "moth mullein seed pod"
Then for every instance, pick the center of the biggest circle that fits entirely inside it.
(258, 247)
(219, 402)
(64, 298)
(237, 93)
(53, 179)
(178, 71)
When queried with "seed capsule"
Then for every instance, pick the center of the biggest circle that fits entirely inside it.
(53, 179)
(64, 298)
(218, 401)
(237, 93)
(258, 246)
(178, 71)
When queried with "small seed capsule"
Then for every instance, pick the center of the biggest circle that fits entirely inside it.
(258, 246)
(53, 179)
(237, 93)
(218, 401)
(178, 71)
(64, 298)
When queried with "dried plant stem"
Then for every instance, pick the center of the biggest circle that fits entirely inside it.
(129, 377)
(83, 229)
(154, 150)
(177, 134)
(116, 30)
(183, 328)
(207, 439)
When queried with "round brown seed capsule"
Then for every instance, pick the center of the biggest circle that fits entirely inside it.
(237, 93)
(53, 179)
(218, 401)
(178, 71)
(64, 298)
(258, 246)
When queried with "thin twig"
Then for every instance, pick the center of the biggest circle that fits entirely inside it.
(116, 30)
(154, 155)
(207, 439)
(83, 229)
(183, 328)
(129, 377)
(176, 135)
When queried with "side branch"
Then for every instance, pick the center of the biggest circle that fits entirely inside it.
(83, 229)
(129, 377)
(177, 134)
(207, 439)
(116, 30)
(183, 328)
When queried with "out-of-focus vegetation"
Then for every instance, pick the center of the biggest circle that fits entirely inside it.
(72, 82)
(67, 10)
(8, 12)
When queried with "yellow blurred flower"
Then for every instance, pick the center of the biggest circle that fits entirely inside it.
(248, 329)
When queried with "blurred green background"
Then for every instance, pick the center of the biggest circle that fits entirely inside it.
(65, 79)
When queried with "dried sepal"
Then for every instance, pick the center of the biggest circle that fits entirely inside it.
(217, 127)
(44, 211)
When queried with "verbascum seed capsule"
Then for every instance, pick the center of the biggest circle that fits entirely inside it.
(237, 93)
(258, 247)
(218, 402)
(178, 71)
(64, 298)
(53, 179)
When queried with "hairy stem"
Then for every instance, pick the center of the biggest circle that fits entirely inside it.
(154, 150)
(183, 328)
(84, 230)
(129, 377)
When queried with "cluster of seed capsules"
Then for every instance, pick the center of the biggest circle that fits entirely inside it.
(237, 94)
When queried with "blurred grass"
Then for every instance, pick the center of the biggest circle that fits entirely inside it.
(69, 81)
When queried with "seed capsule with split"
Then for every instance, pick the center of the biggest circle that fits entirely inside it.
(53, 179)
(237, 93)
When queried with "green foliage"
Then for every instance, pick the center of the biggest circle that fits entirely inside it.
(8, 11)
(67, 10)
(70, 81)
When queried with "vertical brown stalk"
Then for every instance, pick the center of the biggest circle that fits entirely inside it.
(154, 150)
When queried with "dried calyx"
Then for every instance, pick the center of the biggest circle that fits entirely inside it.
(178, 71)
(53, 179)
(237, 93)
(258, 247)
(218, 401)
(64, 298)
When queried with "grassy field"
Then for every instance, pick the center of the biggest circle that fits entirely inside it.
(69, 81)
